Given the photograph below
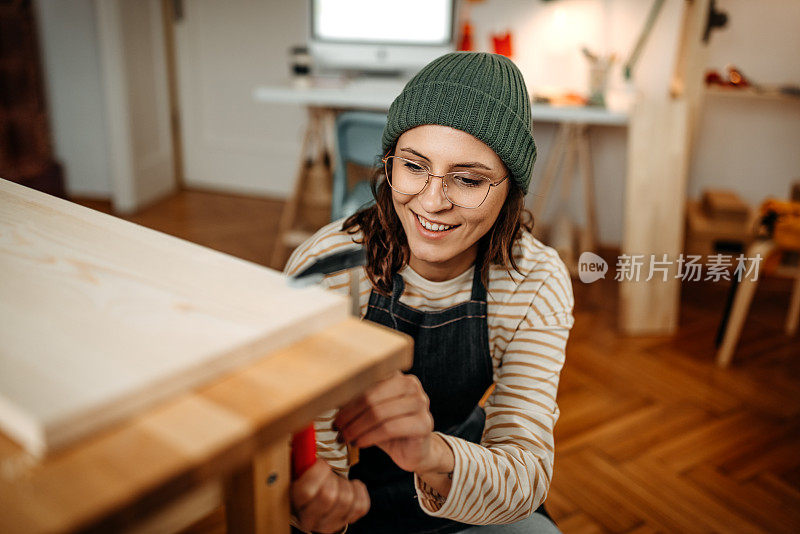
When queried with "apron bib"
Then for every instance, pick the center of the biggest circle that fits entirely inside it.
(453, 362)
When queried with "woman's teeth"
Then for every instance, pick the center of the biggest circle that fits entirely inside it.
(433, 226)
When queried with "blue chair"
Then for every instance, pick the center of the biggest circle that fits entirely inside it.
(358, 140)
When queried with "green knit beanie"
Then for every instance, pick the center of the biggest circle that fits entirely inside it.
(476, 92)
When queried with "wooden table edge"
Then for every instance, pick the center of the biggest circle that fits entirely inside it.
(335, 364)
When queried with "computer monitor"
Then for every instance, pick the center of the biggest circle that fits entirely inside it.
(380, 35)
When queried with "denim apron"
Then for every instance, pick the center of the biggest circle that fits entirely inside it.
(453, 362)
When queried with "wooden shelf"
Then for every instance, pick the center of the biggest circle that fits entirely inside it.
(750, 93)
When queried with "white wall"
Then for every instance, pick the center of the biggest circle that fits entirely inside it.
(751, 145)
(548, 38)
(745, 145)
(69, 48)
(224, 51)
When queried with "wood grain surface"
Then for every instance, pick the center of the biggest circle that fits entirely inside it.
(100, 317)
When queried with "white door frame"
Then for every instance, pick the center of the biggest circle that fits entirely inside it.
(138, 177)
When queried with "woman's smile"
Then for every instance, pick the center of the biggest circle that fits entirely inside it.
(431, 229)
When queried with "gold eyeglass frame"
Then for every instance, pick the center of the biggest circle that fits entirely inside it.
(387, 157)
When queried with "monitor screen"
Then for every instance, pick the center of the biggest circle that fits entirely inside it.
(410, 22)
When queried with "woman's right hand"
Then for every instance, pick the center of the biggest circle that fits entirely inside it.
(325, 502)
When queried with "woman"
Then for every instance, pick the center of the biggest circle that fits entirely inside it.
(451, 262)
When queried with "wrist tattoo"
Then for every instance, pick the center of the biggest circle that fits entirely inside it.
(437, 497)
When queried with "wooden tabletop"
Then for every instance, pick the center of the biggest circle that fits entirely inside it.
(143, 377)
(101, 317)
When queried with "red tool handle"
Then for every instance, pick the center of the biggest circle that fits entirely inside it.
(304, 451)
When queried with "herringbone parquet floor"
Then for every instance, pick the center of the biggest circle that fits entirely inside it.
(652, 436)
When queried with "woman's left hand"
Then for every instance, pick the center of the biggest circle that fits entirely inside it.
(394, 415)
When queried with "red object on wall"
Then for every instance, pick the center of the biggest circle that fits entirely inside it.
(465, 41)
(502, 44)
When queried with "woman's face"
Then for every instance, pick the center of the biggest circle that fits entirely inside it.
(445, 254)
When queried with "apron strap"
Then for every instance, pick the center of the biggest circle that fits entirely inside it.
(398, 285)
(478, 290)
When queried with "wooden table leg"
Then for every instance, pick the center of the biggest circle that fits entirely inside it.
(542, 189)
(589, 234)
(314, 158)
(794, 306)
(563, 237)
(257, 497)
(741, 304)
(291, 208)
(570, 156)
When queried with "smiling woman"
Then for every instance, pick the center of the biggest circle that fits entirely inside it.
(451, 261)
(443, 254)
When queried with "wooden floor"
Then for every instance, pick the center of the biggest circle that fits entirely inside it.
(652, 436)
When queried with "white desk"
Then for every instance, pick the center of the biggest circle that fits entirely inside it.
(379, 94)
(364, 95)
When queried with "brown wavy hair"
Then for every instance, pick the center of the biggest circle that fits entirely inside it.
(386, 246)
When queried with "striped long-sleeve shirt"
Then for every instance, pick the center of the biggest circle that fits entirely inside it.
(506, 476)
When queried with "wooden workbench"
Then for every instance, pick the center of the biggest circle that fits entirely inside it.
(162, 464)
(176, 463)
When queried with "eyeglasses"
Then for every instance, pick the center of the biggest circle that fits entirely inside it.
(463, 188)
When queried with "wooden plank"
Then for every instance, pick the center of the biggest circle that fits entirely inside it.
(775, 399)
(641, 372)
(591, 409)
(579, 524)
(654, 214)
(668, 500)
(625, 494)
(716, 441)
(595, 495)
(659, 143)
(115, 477)
(559, 505)
(100, 317)
(751, 499)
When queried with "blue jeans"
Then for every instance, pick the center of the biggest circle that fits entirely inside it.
(535, 524)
